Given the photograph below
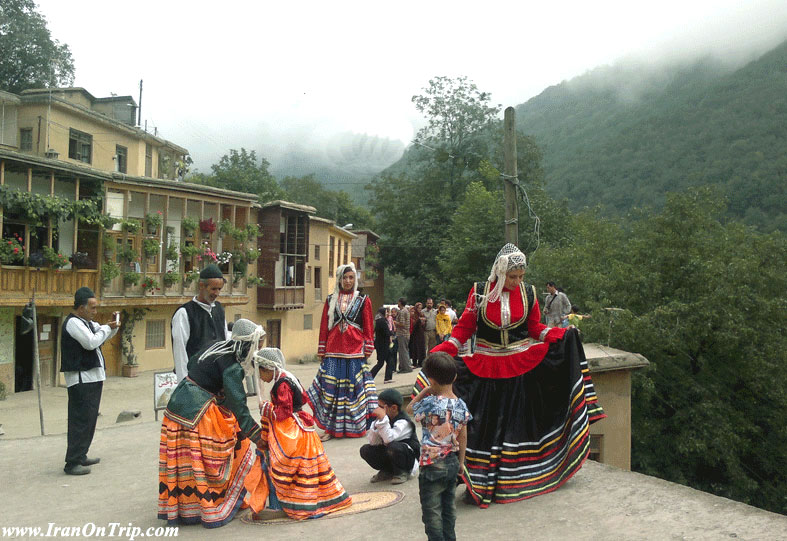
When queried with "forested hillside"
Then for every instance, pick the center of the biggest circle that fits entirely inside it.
(623, 136)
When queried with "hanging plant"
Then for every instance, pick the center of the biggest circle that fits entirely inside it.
(252, 232)
(153, 221)
(37, 208)
(172, 253)
(131, 227)
(149, 284)
(131, 278)
(226, 227)
(190, 250)
(109, 271)
(252, 281)
(223, 258)
(207, 226)
(128, 254)
(189, 225)
(252, 254)
(171, 278)
(12, 250)
(151, 247)
(37, 260)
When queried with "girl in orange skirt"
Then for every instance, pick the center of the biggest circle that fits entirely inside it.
(208, 437)
(295, 475)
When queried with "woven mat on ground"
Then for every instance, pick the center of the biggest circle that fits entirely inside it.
(362, 502)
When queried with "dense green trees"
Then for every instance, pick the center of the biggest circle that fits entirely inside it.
(624, 136)
(703, 300)
(336, 205)
(29, 57)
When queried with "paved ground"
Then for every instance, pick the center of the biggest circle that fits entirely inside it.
(600, 502)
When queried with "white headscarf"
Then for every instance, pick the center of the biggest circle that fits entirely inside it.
(243, 331)
(341, 269)
(508, 258)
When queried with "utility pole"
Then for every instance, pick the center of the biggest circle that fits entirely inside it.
(510, 178)
(139, 107)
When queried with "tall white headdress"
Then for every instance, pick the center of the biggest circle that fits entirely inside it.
(508, 258)
(244, 331)
(338, 287)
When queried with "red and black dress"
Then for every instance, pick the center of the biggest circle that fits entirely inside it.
(343, 395)
(529, 391)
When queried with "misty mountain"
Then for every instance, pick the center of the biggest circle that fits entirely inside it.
(623, 136)
(346, 161)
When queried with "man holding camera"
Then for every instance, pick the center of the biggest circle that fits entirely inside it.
(83, 367)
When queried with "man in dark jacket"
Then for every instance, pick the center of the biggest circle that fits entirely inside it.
(199, 322)
(83, 367)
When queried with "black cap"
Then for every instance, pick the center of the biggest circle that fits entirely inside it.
(211, 271)
(391, 397)
(82, 295)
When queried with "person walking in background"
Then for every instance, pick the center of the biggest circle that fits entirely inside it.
(382, 345)
(430, 327)
(402, 322)
(199, 322)
(575, 317)
(417, 338)
(343, 395)
(443, 324)
(83, 368)
(556, 307)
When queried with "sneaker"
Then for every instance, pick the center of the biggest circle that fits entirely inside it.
(76, 469)
(381, 476)
(399, 479)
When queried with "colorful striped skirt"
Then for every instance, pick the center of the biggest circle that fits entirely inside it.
(202, 470)
(529, 433)
(343, 397)
(299, 473)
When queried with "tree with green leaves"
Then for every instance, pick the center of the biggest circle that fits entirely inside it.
(29, 57)
(241, 171)
(336, 205)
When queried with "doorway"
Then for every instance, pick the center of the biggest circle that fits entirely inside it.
(23, 358)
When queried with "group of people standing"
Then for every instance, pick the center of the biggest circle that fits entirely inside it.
(406, 334)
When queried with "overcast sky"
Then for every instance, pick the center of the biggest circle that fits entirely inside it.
(221, 75)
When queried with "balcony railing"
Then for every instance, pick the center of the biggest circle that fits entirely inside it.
(58, 285)
(281, 298)
(117, 287)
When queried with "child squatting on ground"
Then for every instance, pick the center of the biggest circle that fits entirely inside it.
(444, 419)
(393, 442)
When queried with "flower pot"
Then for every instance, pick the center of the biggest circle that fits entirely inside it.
(130, 370)
(152, 229)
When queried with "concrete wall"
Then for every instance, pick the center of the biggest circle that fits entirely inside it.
(614, 394)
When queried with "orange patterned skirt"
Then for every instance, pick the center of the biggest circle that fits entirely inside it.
(298, 470)
(202, 470)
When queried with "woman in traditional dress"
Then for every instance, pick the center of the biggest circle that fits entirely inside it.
(343, 396)
(208, 436)
(527, 386)
(294, 476)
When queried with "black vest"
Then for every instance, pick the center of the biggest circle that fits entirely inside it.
(412, 441)
(494, 335)
(354, 314)
(204, 328)
(73, 357)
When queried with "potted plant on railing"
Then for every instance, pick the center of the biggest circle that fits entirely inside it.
(153, 221)
(79, 260)
(252, 281)
(53, 258)
(149, 284)
(189, 225)
(109, 242)
(131, 227)
(226, 228)
(151, 247)
(207, 227)
(37, 260)
(12, 250)
(171, 278)
(190, 277)
(109, 271)
(131, 278)
(190, 250)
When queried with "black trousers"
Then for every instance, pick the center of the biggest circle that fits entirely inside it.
(394, 458)
(83, 402)
(384, 357)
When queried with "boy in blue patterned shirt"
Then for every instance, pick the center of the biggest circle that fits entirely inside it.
(444, 419)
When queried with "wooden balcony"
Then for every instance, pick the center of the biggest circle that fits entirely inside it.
(116, 292)
(281, 298)
(52, 287)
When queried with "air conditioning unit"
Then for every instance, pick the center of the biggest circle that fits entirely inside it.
(51, 154)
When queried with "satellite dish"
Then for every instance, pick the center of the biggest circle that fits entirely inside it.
(27, 319)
